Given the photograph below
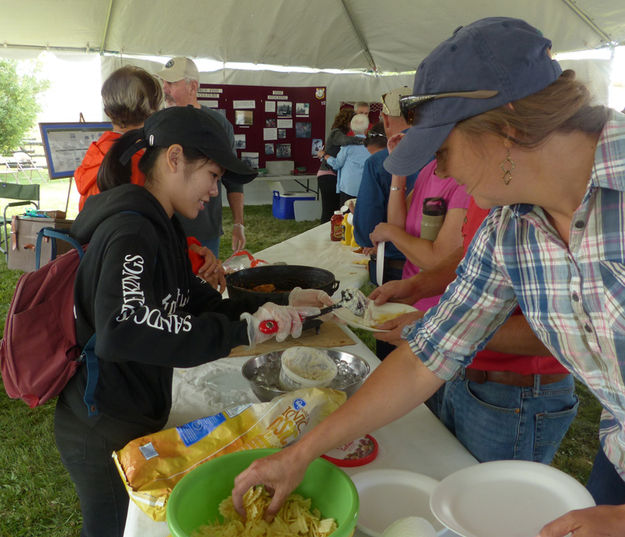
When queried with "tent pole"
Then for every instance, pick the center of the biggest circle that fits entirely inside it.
(360, 37)
(582, 15)
(106, 27)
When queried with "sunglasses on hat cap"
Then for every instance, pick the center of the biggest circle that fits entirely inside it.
(409, 104)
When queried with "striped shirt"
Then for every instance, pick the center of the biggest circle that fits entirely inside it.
(573, 297)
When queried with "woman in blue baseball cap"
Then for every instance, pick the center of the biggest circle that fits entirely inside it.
(523, 137)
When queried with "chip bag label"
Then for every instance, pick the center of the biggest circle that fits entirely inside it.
(193, 431)
(151, 466)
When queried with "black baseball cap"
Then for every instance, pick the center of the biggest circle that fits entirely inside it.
(193, 128)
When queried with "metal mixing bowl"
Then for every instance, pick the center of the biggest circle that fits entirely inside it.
(263, 371)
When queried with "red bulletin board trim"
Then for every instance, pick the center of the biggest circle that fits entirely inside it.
(246, 105)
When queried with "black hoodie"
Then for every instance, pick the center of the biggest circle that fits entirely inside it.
(135, 289)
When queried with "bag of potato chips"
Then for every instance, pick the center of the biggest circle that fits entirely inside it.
(150, 466)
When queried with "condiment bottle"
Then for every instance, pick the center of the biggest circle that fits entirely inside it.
(336, 226)
(347, 229)
(434, 210)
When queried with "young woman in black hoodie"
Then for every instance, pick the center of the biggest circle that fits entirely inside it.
(135, 290)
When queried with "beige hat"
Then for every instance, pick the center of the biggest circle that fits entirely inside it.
(179, 68)
(390, 100)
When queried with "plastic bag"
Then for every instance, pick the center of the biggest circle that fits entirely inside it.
(151, 466)
(241, 260)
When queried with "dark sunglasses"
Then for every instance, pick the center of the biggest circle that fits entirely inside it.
(408, 105)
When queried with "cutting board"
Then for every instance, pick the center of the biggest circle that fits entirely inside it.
(330, 335)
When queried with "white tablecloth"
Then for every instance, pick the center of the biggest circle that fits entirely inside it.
(314, 248)
(417, 442)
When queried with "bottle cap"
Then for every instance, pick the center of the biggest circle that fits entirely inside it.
(355, 453)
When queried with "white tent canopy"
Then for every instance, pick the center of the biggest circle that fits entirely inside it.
(374, 35)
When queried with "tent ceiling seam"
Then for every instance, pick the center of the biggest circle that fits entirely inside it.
(360, 37)
(106, 27)
(586, 18)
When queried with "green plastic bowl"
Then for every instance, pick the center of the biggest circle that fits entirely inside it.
(195, 499)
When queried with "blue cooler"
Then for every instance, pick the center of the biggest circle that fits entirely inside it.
(282, 207)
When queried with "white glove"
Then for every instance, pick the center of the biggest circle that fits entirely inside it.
(288, 320)
(309, 297)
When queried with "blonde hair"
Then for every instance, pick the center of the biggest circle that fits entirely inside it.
(130, 95)
(563, 106)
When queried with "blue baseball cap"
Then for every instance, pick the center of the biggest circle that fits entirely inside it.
(482, 66)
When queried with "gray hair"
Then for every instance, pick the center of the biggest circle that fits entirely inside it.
(130, 95)
(359, 123)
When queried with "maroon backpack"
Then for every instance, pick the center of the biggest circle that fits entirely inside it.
(39, 352)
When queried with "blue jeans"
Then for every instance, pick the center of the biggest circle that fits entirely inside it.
(212, 245)
(498, 422)
(605, 484)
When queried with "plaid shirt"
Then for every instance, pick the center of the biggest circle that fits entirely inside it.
(573, 298)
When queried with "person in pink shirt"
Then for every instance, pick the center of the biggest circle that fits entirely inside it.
(404, 226)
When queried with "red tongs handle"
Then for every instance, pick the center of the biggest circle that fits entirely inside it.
(268, 326)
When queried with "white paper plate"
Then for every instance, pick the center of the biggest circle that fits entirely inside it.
(511, 498)
(388, 495)
(379, 263)
(382, 313)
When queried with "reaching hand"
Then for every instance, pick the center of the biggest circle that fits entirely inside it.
(309, 297)
(238, 237)
(600, 521)
(382, 232)
(403, 291)
(287, 319)
(280, 473)
(217, 279)
(392, 142)
(396, 326)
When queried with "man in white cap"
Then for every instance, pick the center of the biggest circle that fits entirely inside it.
(181, 81)
(375, 189)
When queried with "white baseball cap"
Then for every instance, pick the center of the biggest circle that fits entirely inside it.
(179, 68)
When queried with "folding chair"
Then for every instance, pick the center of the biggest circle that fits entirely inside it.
(26, 195)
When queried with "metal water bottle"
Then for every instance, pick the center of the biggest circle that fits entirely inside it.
(434, 210)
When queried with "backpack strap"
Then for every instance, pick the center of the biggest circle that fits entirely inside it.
(54, 234)
(88, 356)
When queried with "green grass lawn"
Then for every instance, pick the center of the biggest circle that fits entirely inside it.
(37, 498)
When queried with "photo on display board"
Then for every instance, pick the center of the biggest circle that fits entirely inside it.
(239, 141)
(281, 134)
(244, 117)
(285, 108)
(251, 159)
(303, 129)
(270, 122)
(283, 150)
(269, 150)
(317, 145)
(302, 109)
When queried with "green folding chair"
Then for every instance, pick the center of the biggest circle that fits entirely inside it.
(24, 195)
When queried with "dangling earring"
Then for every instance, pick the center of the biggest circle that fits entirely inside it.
(507, 166)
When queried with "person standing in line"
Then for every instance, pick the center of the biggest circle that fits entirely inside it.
(326, 176)
(375, 190)
(525, 140)
(515, 401)
(350, 161)
(181, 80)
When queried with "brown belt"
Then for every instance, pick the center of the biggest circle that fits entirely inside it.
(510, 378)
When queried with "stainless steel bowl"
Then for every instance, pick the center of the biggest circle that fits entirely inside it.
(263, 371)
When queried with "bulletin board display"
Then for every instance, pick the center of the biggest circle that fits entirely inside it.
(272, 123)
(65, 145)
